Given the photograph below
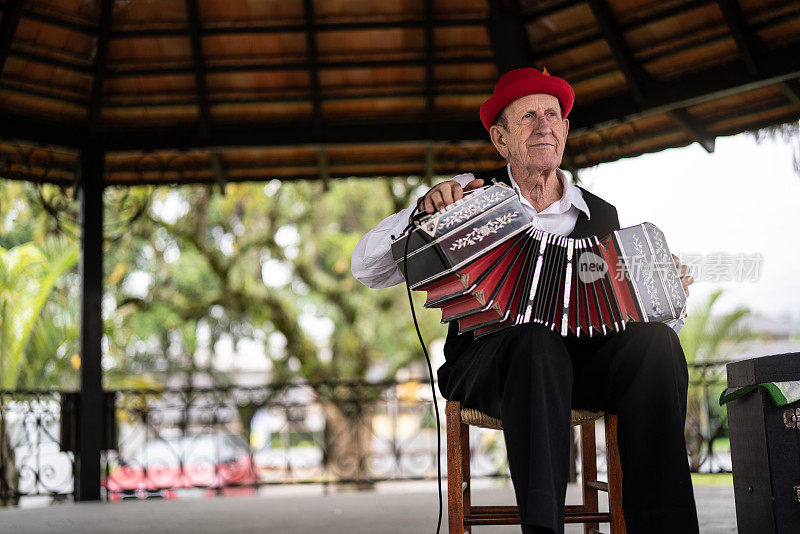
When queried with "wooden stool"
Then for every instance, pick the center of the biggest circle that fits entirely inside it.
(463, 515)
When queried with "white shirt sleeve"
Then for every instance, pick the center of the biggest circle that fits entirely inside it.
(372, 263)
(677, 324)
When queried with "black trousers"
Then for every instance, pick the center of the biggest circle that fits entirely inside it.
(531, 377)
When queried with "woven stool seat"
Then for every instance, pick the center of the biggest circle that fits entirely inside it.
(473, 417)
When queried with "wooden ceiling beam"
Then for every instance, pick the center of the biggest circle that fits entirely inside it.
(508, 37)
(746, 41)
(201, 92)
(636, 77)
(791, 89)
(198, 68)
(100, 69)
(12, 13)
(750, 48)
(639, 82)
(313, 68)
(695, 130)
(430, 56)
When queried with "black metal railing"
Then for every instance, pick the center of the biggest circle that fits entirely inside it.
(233, 440)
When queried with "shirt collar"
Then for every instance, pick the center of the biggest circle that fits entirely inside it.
(572, 196)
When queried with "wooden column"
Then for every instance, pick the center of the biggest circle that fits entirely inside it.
(90, 429)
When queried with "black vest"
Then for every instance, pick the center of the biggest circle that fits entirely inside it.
(604, 221)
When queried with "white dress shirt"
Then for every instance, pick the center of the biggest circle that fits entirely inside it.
(373, 265)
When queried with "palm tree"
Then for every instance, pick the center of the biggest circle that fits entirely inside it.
(28, 274)
(708, 338)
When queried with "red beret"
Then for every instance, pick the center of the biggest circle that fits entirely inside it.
(517, 83)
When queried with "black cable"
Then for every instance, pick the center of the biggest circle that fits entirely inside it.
(430, 370)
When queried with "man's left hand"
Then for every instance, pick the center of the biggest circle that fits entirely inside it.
(683, 272)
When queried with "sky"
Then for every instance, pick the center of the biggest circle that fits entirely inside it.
(719, 210)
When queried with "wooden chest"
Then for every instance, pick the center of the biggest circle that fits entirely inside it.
(765, 448)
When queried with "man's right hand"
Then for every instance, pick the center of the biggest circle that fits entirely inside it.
(445, 194)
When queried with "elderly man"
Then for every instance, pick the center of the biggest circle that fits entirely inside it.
(530, 376)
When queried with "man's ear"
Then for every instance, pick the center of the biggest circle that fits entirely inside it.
(566, 129)
(499, 139)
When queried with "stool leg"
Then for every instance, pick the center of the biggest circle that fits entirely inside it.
(465, 474)
(455, 477)
(589, 473)
(614, 476)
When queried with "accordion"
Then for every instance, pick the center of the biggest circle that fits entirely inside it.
(484, 265)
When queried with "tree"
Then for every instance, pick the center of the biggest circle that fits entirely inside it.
(268, 262)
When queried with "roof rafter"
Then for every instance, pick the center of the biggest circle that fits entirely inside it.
(749, 46)
(100, 68)
(695, 130)
(634, 74)
(430, 52)
(639, 82)
(313, 68)
(746, 41)
(201, 92)
(508, 36)
(12, 12)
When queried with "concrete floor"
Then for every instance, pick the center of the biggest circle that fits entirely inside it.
(400, 508)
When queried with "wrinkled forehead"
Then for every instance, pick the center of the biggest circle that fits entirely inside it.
(536, 101)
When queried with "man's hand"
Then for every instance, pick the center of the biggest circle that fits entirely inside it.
(683, 272)
(445, 194)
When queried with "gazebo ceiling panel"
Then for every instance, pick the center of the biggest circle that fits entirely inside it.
(243, 12)
(150, 85)
(291, 82)
(774, 113)
(782, 34)
(355, 10)
(74, 10)
(375, 77)
(35, 34)
(561, 27)
(596, 87)
(687, 61)
(460, 9)
(703, 19)
(243, 47)
(153, 115)
(138, 14)
(244, 112)
(37, 105)
(351, 74)
(363, 45)
(368, 107)
(738, 103)
(46, 77)
(455, 41)
(150, 51)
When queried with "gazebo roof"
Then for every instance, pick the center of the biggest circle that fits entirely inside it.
(184, 91)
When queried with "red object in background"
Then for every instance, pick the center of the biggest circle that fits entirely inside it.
(207, 464)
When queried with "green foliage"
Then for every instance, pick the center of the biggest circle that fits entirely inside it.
(30, 337)
(264, 262)
(260, 261)
(707, 336)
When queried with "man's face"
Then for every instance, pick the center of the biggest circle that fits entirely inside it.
(536, 134)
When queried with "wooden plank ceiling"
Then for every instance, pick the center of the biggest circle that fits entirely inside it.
(181, 91)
